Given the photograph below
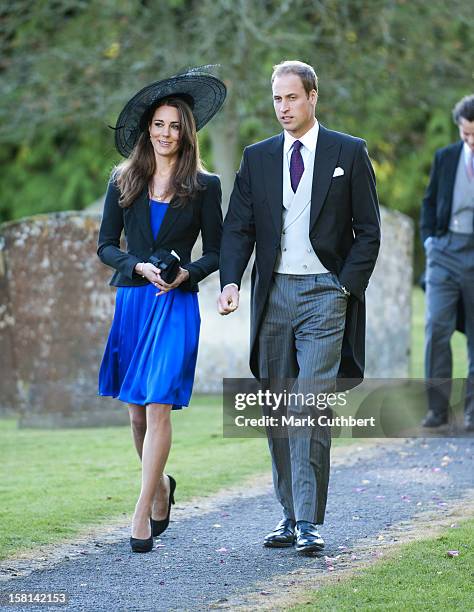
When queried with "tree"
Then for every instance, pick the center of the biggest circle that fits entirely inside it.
(390, 72)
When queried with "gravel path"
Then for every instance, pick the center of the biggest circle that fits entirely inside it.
(206, 560)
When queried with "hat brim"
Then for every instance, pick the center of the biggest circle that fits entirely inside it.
(204, 93)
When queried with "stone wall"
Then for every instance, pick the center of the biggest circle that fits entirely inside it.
(8, 387)
(389, 300)
(56, 308)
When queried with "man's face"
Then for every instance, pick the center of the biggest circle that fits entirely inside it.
(466, 131)
(294, 108)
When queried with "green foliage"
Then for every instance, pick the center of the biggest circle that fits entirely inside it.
(54, 171)
(390, 72)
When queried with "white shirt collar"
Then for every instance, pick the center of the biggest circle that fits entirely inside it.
(308, 140)
(467, 152)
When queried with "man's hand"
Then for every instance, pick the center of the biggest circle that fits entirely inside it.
(228, 300)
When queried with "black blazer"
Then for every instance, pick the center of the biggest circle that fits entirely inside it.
(438, 200)
(179, 231)
(344, 229)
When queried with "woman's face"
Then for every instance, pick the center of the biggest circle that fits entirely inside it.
(165, 131)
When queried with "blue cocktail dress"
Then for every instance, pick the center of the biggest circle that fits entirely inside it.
(151, 352)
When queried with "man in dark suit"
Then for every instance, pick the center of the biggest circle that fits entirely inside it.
(447, 232)
(306, 200)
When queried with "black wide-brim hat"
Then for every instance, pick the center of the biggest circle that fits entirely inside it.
(204, 93)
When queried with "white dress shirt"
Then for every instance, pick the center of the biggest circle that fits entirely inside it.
(467, 154)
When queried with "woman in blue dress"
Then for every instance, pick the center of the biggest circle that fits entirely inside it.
(161, 199)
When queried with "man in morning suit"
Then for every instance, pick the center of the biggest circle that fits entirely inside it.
(447, 232)
(306, 199)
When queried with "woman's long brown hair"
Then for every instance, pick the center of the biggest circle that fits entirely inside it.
(134, 173)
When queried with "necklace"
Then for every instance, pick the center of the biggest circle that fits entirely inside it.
(159, 197)
(155, 194)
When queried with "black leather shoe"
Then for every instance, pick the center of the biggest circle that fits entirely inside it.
(434, 419)
(282, 536)
(142, 546)
(157, 527)
(308, 539)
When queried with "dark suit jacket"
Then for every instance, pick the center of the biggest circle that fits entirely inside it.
(179, 231)
(438, 203)
(344, 229)
(438, 200)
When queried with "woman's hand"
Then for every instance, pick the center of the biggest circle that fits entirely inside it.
(182, 276)
(149, 271)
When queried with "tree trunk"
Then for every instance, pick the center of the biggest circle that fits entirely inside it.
(224, 136)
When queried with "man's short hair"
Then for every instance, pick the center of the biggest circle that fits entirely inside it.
(464, 109)
(306, 73)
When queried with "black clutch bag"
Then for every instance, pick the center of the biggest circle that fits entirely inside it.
(167, 262)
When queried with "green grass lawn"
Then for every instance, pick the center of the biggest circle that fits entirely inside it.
(421, 576)
(53, 483)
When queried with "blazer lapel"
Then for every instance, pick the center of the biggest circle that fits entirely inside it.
(141, 209)
(168, 223)
(273, 178)
(325, 160)
(450, 173)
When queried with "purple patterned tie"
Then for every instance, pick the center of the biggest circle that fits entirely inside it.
(296, 165)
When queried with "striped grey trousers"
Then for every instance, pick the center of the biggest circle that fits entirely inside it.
(300, 341)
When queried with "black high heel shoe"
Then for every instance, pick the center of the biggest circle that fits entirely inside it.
(142, 546)
(157, 527)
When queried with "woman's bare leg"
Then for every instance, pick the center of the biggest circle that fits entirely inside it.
(138, 425)
(137, 415)
(155, 451)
